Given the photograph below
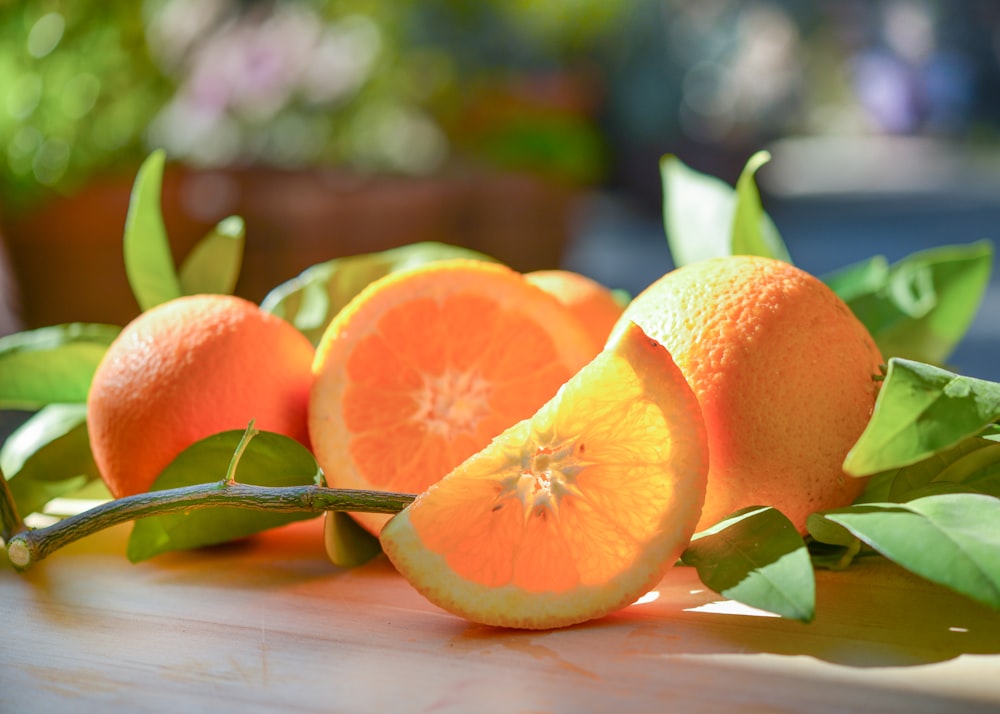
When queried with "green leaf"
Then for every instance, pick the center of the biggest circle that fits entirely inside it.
(949, 539)
(970, 466)
(48, 457)
(991, 432)
(149, 264)
(753, 231)
(860, 279)
(270, 459)
(213, 265)
(758, 558)
(698, 212)
(704, 217)
(967, 464)
(922, 306)
(311, 300)
(920, 410)
(907, 482)
(51, 364)
(833, 547)
(348, 545)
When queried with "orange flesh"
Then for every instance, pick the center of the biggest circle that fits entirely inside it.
(578, 512)
(418, 401)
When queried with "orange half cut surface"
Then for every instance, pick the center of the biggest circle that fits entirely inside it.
(573, 513)
(425, 366)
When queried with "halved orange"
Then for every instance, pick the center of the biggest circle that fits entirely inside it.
(573, 513)
(424, 366)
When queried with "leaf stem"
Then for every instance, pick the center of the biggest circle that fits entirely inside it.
(250, 432)
(27, 547)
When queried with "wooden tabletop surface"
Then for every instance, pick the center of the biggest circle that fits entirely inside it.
(270, 625)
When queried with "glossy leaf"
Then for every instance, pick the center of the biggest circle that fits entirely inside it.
(704, 217)
(698, 212)
(922, 306)
(906, 482)
(48, 457)
(269, 460)
(213, 265)
(920, 410)
(949, 539)
(149, 264)
(753, 231)
(51, 364)
(310, 300)
(860, 279)
(833, 547)
(348, 545)
(969, 465)
(758, 558)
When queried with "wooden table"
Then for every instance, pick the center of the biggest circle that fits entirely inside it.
(270, 625)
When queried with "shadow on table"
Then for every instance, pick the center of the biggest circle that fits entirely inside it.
(873, 615)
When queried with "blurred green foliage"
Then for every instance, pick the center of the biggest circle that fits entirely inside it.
(76, 87)
(88, 87)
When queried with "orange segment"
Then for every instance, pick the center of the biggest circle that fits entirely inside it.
(422, 368)
(573, 513)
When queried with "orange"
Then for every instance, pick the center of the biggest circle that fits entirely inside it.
(594, 305)
(424, 366)
(573, 513)
(785, 375)
(187, 369)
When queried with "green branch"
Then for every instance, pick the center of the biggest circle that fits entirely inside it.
(27, 547)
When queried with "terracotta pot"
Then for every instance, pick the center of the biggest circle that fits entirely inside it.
(67, 254)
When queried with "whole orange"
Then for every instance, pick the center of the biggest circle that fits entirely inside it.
(593, 303)
(785, 375)
(187, 369)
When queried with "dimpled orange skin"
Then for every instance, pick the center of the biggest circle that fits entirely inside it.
(187, 369)
(785, 375)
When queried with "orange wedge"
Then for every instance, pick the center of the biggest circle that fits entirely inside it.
(573, 513)
(424, 366)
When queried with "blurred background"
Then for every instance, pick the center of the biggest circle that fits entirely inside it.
(528, 130)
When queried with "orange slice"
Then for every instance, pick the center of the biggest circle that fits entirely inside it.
(573, 513)
(424, 366)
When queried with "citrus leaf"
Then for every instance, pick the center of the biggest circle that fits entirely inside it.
(269, 460)
(310, 300)
(859, 279)
(970, 462)
(48, 457)
(970, 466)
(348, 545)
(704, 217)
(758, 558)
(920, 410)
(833, 547)
(922, 306)
(51, 364)
(949, 539)
(149, 263)
(698, 212)
(991, 432)
(753, 231)
(213, 265)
